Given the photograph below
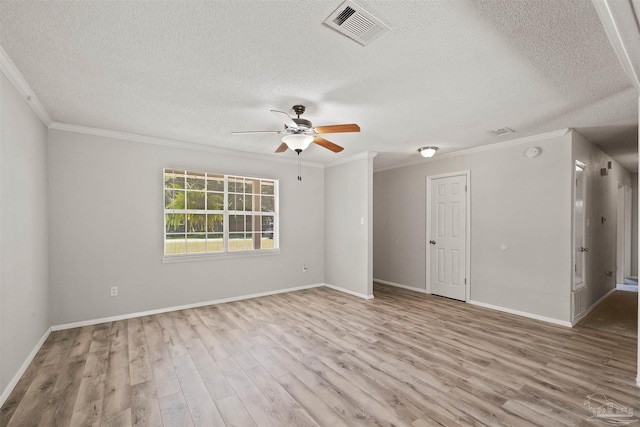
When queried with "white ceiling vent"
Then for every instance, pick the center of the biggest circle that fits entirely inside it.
(356, 23)
(502, 131)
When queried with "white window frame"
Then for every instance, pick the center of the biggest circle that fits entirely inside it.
(226, 212)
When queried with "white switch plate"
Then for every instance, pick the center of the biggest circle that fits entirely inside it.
(114, 291)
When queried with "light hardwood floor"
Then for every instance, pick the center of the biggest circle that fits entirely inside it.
(321, 357)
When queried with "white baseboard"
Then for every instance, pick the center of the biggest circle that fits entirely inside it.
(590, 309)
(179, 307)
(348, 291)
(522, 313)
(398, 285)
(7, 391)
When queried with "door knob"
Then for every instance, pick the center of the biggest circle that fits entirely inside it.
(433, 242)
(583, 249)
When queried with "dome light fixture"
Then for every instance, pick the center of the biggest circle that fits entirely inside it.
(427, 152)
(297, 141)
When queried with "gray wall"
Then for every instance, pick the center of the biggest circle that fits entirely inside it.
(634, 224)
(107, 229)
(348, 242)
(520, 202)
(24, 271)
(601, 201)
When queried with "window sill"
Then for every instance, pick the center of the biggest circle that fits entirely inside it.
(218, 256)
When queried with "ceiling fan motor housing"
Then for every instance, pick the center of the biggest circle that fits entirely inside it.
(304, 123)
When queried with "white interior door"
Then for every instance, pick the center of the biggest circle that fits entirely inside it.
(448, 236)
(579, 232)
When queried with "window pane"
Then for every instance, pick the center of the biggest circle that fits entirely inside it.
(173, 179)
(196, 243)
(267, 223)
(196, 223)
(173, 199)
(248, 202)
(248, 223)
(215, 182)
(215, 242)
(236, 184)
(267, 242)
(195, 200)
(236, 202)
(236, 223)
(215, 223)
(239, 242)
(266, 187)
(215, 201)
(251, 186)
(268, 204)
(195, 181)
(174, 223)
(174, 244)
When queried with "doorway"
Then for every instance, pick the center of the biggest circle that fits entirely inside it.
(579, 294)
(448, 235)
(623, 238)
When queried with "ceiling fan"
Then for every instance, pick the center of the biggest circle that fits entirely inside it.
(300, 133)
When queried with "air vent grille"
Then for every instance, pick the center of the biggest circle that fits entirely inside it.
(356, 23)
(502, 131)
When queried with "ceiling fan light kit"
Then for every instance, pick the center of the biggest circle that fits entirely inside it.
(427, 152)
(297, 141)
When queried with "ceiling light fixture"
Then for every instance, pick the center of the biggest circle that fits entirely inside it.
(427, 152)
(297, 141)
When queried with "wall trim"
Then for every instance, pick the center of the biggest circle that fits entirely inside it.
(481, 148)
(398, 285)
(348, 291)
(521, 313)
(14, 381)
(18, 81)
(126, 136)
(359, 156)
(622, 43)
(590, 309)
(178, 307)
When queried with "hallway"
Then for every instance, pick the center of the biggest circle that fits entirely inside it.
(618, 314)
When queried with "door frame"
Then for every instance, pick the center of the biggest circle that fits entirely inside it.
(583, 166)
(467, 239)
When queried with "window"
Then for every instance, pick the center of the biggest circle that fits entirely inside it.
(206, 213)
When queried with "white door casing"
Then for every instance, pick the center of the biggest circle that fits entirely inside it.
(448, 235)
(579, 249)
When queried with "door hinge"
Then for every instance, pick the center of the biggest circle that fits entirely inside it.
(465, 188)
(465, 280)
(575, 267)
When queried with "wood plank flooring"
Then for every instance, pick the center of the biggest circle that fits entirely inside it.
(321, 357)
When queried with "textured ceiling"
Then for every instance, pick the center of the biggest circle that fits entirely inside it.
(445, 74)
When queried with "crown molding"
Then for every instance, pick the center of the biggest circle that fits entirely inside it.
(86, 130)
(363, 155)
(18, 81)
(619, 21)
(489, 147)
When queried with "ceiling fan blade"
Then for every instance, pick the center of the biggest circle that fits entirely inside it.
(327, 144)
(285, 118)
(244, 132)
(338, 128)
(282, 148)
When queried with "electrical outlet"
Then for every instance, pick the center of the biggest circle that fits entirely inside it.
(304, 268)
(114, 291)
